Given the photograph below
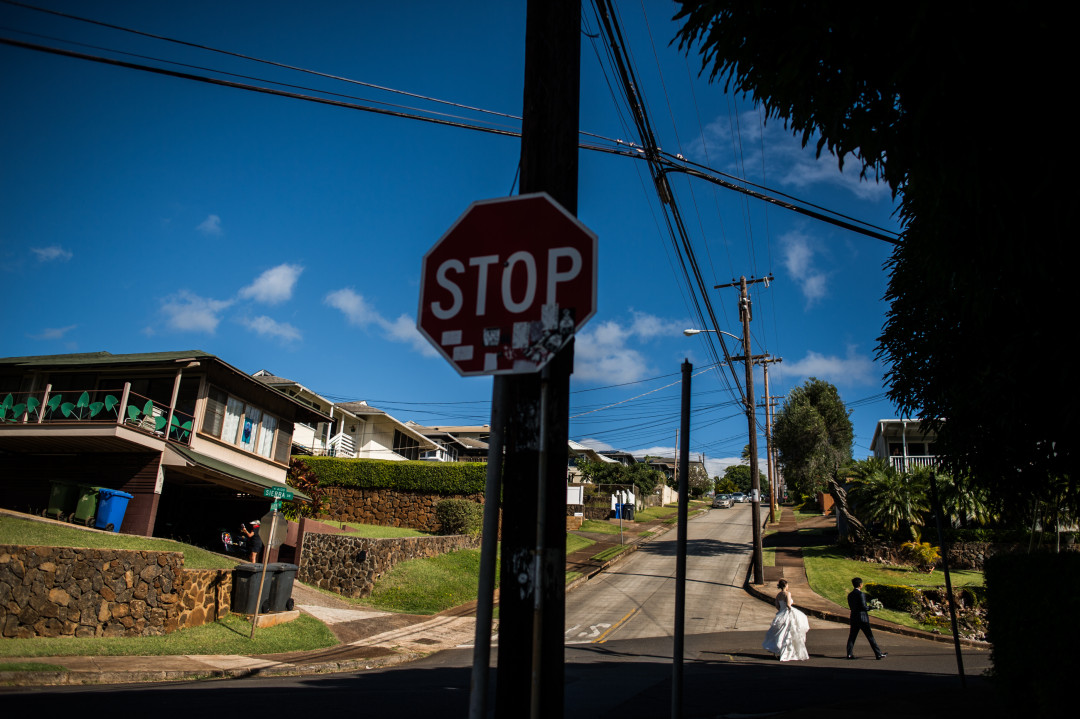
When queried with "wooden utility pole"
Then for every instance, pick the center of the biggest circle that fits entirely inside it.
(745, 315)
(531, 598)
(768, 438)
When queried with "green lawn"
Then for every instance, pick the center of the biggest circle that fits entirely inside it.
(377, 531)
(600, 527)
(15, 530)
(830, 571)
(227, 636)
(650, 514)
(575, 542)
(610, 552)
(428, 586)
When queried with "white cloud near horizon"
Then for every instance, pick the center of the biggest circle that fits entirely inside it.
(273, 286)
(787, 162)
(360, 313)
(852, 369)
(53, 333)
(268, 327)
(603, 351)
(188, 312)
(799, 260)
(210, 226)
(52, 252)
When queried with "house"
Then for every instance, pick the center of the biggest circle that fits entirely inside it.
(904, 443)
(449, 446)
(357, 430)
(193, 439)
(579, 453)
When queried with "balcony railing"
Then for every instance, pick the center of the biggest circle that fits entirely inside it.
(906, 464)
(98, 406)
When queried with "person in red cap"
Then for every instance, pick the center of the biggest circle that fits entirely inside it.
(254, 541)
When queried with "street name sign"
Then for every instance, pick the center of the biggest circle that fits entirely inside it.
(277, 493)
(508, 285)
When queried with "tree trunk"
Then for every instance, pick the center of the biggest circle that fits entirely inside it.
(856, 532)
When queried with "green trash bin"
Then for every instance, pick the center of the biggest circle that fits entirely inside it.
(62, 498)
(87, 505)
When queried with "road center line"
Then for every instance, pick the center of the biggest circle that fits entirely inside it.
(603, 637)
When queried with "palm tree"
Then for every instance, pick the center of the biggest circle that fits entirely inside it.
(882, 494)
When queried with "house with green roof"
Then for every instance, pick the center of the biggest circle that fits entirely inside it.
(195, 440)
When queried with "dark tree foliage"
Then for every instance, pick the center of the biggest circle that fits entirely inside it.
(739, 474)
(813, 434)
(959, 107)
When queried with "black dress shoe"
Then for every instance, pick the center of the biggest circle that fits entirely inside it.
(882, 655)
(851, 656)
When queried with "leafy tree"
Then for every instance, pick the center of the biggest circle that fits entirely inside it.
(644, 477)
(698, 481)
(739, 476)
(724, 486)
(640, 474)
(813, 434)
(898, 501)
(912, 92)
(301, 476)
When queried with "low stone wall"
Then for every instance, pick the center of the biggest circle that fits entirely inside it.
(64, 591)
(962, 555)
(350, 565)
(386, 507)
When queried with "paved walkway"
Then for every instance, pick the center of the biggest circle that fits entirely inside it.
(377, 639)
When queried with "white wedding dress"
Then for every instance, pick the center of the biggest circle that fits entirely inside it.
(786, 637)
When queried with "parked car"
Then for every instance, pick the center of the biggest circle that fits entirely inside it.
(740, 497)
(723, 501)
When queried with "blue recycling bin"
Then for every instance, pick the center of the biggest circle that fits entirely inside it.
(112, 504)
(618, 510)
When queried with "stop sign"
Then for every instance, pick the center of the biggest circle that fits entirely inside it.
(507, 285)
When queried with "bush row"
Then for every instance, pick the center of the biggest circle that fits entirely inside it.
(460, 516)
(425, 477)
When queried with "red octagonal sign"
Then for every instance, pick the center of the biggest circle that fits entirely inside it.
(508, 285)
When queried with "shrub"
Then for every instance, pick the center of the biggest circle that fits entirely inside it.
(301, 477)
(895, 596)
(446, 478)
(923, 554)
(460, 516)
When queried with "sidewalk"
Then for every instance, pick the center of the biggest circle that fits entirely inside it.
(788, 543)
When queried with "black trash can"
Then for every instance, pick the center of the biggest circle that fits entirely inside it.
(628, 511)
(245, 593)
(281, 593)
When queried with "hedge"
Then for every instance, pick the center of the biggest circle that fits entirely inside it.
(894, 596)
(1032, 604)
(448, 478)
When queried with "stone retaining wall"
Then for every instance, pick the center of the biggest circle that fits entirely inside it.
(962, 555)
(350, 565)
(387, 507)
(64, 591)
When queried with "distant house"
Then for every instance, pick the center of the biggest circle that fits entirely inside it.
(194, 439)
(579, 453)
(449, 446)
(904, 443)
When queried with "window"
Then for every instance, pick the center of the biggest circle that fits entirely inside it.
(405, 445)
(250, 428)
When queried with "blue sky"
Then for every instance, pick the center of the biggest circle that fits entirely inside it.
(144, 213)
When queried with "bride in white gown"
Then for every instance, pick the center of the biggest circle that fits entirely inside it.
(786, 637)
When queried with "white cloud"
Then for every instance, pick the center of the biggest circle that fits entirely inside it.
(52, 252)
(210, 226)
(273, 286)
(799, 261)
(403, 329)
(359, 313)
(268, 327)
(787, 163)
(853, 369)
(187, 312)
(356, 309)
(601, 353)
(53, 333)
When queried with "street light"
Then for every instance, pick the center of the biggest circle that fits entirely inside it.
(692, 332)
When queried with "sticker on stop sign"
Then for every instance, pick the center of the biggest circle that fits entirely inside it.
(508, 285)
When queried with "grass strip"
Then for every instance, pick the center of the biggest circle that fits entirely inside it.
(575, 542)
(226, 636)
(597, 526)
(571, 576)
(376, 531)
(610, 552)
(30, 667)
(28, 532)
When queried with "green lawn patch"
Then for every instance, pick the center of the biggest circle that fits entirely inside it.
(15, 530)
(830, 570)
(226, 636)
(652, 514)
(377, 531)
(571, 576)
(610, 552)
(575, 542)
(30, 667)
(599, 527)
(428, 586)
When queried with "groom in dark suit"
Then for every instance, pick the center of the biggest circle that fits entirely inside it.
(860, 620)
